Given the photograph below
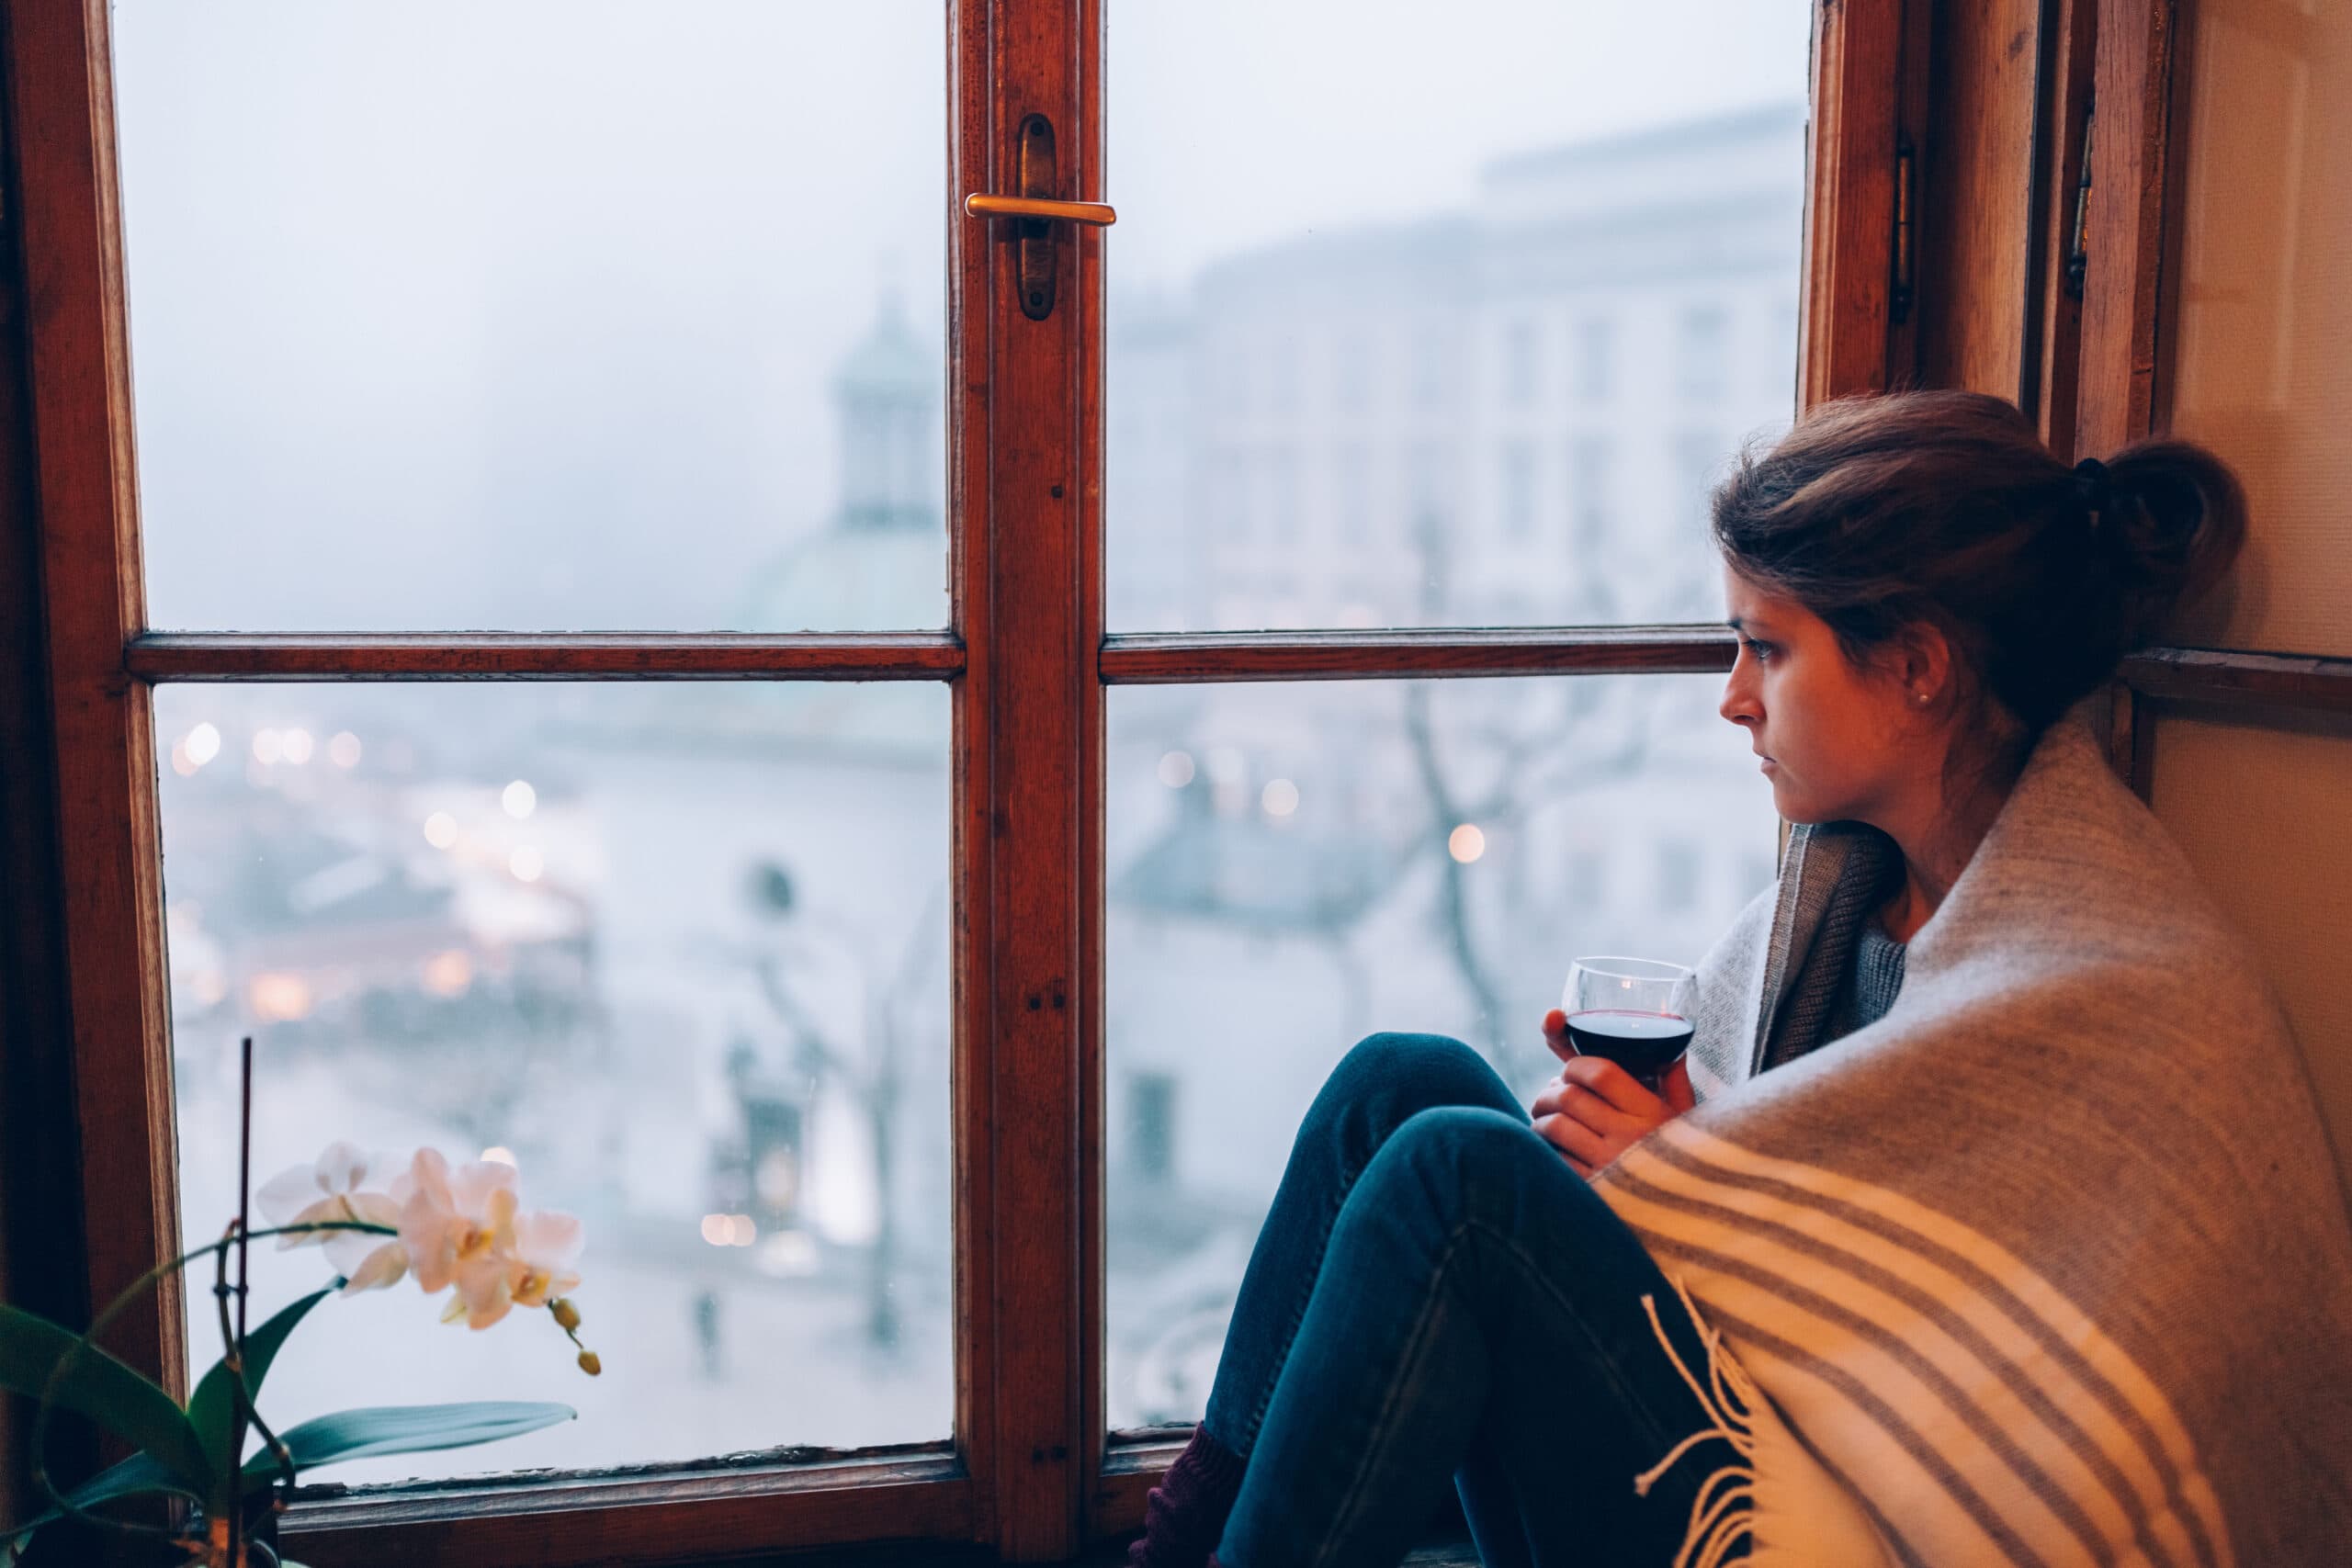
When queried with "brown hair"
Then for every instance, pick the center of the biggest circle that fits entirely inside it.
(1881, 513)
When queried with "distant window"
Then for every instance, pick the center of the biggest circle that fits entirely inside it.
(1596, 358)
(1522, 363)
(1429, 367)
(1697, 455)
(1282, 495)
(1282, 374)
(1235, 379)
(1702, 342)
(1589, 459)
(1352, 494)
(1151, 1126)
(1518, 499)
(1698, 459)
(1229, 483)
(1425, 488)
(1352, 366)
(1678, 877)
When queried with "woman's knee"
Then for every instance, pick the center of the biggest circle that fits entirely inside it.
(1457, 1159)
(1386, 1079)
(1421, 1070)
(1475, 1136)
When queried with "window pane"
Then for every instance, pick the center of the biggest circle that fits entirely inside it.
(682, 952)
(1294, 867)
(1497, 247)
(546, 315)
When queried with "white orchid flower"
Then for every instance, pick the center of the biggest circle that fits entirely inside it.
(458, 1228)
(546, 1245)
(334, 1189)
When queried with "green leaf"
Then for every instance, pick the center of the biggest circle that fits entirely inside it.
(408, 1428)
(207, 1407)
(348, 1434)
(103, 1388)
(134, 1477)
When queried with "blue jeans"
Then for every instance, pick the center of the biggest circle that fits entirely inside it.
(1437, 1295)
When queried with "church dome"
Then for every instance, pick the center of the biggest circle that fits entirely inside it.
(853, 580)
(879, 563)
(890, 362)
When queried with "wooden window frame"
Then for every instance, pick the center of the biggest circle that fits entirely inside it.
(1030, 1473)
(2124, 59)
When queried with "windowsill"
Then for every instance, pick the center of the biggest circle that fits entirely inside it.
(867, 1495)
(735, 1513)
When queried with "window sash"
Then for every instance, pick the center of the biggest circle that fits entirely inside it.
(1030, 1470)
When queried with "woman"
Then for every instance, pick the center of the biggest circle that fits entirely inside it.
(1990, 1219)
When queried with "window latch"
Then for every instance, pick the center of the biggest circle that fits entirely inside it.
(1031, 211)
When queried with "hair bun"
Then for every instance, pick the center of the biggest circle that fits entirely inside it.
(2170, 520)
(2091, 484)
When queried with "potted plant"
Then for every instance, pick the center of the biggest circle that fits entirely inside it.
(461, 1230)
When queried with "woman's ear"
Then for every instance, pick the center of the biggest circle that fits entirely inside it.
(1920, 658)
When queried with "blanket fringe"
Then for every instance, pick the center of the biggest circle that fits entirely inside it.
(1723, 1515)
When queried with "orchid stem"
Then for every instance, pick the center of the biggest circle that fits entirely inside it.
(233, 1355)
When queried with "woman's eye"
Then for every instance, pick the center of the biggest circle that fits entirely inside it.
(1759, 651)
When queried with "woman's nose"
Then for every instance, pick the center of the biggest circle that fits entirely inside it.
(1738, 705)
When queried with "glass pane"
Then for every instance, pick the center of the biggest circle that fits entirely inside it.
(1519, 286)
(679, 952)
(1294, 867)
(546, 315)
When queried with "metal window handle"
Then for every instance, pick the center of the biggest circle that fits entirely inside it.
(1034, 211)
(1096, 212)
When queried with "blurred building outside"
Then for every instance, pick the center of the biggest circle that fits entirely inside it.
(1510, 415)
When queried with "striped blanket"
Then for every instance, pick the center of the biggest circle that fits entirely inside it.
(2050, 1265)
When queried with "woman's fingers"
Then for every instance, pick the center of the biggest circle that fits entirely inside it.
(1601, 1127)
(1565, 1097)
(1616, 1087)
(1595, 1110)
(1555, 1035)
(1585, 1150)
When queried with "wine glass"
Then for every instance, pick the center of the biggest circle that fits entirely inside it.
(1635, 1011)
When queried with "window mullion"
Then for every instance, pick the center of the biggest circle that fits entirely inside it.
(1028, 829)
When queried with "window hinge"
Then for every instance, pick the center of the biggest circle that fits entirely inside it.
(2078, 254)
(1899, 305)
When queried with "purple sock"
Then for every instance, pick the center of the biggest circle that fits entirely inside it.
(1185, 1515)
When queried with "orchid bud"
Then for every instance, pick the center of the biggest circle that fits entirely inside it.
(590, 1364)
(567, 1317)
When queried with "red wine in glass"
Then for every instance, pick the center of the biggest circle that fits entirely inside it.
(1635, 1011)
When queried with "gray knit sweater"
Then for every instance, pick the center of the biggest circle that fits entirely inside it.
(1852, 969)
(2050, 1265)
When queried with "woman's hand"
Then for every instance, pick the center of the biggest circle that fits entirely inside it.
(1595, 1110)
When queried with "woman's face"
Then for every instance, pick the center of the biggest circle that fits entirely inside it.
(1839, 744)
